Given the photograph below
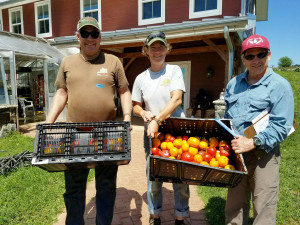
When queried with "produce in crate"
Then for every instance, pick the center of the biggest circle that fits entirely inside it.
(207, 151)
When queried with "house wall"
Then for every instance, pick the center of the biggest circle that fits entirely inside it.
(199, 64)
(125, 16)
(66, 13)
(116, 15)
(29, 19)
(5, 20)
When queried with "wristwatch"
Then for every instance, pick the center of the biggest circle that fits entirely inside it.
(257, 142)
(157, 121)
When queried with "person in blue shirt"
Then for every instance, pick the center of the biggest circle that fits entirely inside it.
(246, 96)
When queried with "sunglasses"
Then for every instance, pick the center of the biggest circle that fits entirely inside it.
(259, 55)
(85, 34)
(151, 36)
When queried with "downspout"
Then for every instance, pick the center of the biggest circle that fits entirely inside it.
(243, 7)
(230, 53)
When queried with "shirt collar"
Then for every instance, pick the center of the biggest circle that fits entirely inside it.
(265, 80)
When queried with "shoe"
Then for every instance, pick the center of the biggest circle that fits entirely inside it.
(154, 221)
(179, 222)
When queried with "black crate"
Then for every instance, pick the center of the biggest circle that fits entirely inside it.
(178, 171)
(63, 146)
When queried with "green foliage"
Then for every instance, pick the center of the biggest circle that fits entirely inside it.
(297, 69)
(214, 199)
(29, 195)
(285, 62)
(289, 193)
(14, 144)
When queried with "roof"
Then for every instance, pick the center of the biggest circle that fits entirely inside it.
(28, 46)
(175, 30)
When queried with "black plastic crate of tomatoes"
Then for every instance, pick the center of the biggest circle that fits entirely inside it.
(63, 146)
(178, 171)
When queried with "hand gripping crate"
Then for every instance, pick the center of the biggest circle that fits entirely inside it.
(63, 146)
(178, 171)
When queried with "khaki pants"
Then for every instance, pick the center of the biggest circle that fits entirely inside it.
(262, 182)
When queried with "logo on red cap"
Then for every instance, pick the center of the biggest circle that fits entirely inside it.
(255, 41)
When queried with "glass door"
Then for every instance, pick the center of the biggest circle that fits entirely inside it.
(51, 67)
(186, 71)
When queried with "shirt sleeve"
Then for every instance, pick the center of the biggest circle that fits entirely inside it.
(136, 90)
(177, 82)
(281, 116)
(120, 77)
(61, 76)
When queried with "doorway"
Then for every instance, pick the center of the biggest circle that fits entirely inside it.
(185, 67)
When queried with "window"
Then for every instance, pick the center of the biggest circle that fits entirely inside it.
(43, 24)
(205, 8)
(91, 8)
(151, 11)
(16, 20)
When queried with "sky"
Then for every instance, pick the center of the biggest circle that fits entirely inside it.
(282, 29)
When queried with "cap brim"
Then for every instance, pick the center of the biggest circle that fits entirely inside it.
(83, 25)
(157, 39)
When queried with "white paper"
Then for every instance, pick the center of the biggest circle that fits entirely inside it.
(262, 121)
(261, 115)
(291, 131)
(262, 124)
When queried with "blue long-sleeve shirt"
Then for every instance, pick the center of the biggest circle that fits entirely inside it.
(244, 102)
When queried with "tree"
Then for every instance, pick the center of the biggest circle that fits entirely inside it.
(285, 62)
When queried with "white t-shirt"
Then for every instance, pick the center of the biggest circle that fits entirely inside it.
(154, 88)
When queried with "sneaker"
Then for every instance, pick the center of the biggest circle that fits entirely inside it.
(154, 221)
(179, 222)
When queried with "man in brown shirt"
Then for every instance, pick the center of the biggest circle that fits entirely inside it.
(87, 82)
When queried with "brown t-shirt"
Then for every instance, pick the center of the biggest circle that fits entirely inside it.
(91, 86)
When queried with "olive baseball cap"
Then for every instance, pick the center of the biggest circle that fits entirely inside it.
(156, 36)
(87, 21)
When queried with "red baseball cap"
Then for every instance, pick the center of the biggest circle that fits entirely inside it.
(255, 41)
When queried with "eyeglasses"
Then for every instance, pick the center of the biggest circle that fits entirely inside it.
(259, 55)
(151, 36)
(85, 34)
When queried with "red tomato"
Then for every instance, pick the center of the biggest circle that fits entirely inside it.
(172, 139)
(186, 156)
(159, 135)
(212, 151)
(185, 138)
(225, 150)
(201, 153)
(226, 147)
(224, 153)
(164, 153)
(207, 157)
(155, 151)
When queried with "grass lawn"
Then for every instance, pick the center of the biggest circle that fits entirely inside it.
(29, 195)
(289, 193)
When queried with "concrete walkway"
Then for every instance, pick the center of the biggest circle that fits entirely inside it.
(131, 202)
